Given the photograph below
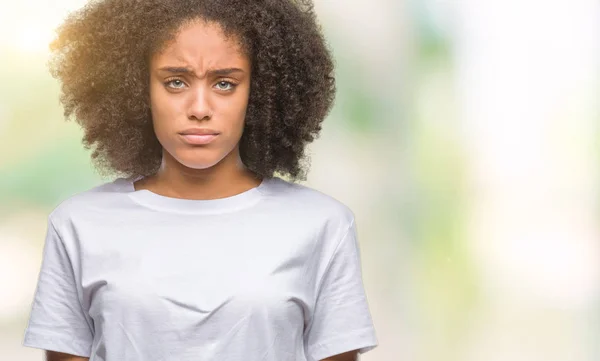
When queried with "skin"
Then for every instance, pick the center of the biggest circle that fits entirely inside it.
(198, 97)
(346, 356)
(56, 356)
(59, 356)
(189, 87)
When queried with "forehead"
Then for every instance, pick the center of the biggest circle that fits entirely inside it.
(202, 44)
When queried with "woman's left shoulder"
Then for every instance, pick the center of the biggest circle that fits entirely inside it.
(312, 200)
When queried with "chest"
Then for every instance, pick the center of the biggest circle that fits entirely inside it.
(187, 271)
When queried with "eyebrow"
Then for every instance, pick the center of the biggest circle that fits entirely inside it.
(218, 72)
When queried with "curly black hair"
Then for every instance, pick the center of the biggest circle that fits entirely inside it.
(101, 57)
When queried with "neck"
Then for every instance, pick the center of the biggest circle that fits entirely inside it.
(225, 179)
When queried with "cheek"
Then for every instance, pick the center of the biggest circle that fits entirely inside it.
(237, 109)
(163, 109)
(156, 103)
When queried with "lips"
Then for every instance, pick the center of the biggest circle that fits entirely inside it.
(199, 131)
(198, 136)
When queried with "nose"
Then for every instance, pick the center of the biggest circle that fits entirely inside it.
(199, 107)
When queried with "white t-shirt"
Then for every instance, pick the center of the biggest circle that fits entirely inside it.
(270, 274)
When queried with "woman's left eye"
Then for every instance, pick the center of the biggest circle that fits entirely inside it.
(225, 85)
(176, 84)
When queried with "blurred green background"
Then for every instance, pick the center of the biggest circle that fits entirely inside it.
(464, 137)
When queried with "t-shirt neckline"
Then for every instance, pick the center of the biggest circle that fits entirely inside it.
(220, 205)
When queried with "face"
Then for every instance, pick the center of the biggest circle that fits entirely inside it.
(199, 88)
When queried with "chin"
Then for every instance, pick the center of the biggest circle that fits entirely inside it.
(198, 163)
(198, 160)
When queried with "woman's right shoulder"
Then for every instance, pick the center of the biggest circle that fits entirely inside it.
(99, 197)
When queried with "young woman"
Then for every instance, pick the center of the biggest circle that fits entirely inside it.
(197, 250)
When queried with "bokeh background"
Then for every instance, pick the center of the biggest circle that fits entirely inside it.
(465, 137)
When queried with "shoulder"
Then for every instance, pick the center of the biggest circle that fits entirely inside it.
(98, 197)
(308, 202)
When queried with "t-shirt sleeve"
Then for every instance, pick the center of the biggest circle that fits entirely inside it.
(341, 319)
(57, 321)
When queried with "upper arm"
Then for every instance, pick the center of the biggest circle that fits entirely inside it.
(346, 356)
(341, 319)
(58, 321)
(59, 356)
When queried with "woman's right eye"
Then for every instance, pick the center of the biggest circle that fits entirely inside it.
(175, 84)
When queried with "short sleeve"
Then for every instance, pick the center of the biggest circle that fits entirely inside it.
(57, 321)
(341, 319)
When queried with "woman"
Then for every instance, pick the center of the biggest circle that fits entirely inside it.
(197, 250)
